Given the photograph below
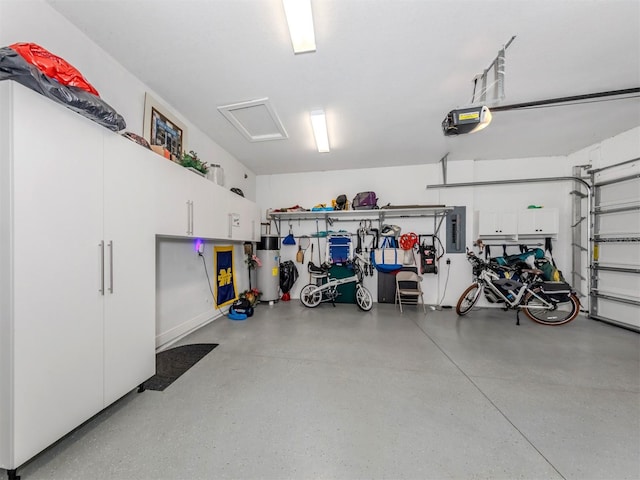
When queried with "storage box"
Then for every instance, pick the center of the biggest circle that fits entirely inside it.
(160, 150)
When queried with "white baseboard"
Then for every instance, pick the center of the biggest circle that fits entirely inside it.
(171, 336)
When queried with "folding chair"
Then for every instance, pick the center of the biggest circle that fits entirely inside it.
(403, 291)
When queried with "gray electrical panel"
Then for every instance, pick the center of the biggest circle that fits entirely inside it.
(456, 230)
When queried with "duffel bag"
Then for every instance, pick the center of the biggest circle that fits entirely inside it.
(387, 258)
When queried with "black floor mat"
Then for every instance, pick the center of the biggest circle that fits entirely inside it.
(172, 363)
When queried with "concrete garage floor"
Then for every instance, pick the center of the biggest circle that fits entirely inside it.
(335, 393)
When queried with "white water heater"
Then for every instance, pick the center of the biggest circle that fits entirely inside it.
(268, 275)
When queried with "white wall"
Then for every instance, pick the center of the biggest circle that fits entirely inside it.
(620, 148)
(406, 186)
(180, 305)
(186, 302)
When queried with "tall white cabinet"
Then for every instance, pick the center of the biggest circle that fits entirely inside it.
(77, 317)
(80, 208)
(130, 294)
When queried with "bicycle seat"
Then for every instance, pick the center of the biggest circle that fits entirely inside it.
(532, 271)
(322, 269)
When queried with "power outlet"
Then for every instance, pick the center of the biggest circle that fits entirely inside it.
(448, 261)
(200, 248)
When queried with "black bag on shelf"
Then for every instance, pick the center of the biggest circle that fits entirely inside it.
(14, 67)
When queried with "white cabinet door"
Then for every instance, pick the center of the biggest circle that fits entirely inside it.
(230, 220)
(129, 308)
(497, 223)
(255, 224)
(221, 201)
(173, 196)
(57, 229)
(237, 214)
(188, 205)
(543, 221)
(205, 211)
(242, 221)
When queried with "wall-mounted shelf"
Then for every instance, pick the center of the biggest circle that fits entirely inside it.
(380, 215)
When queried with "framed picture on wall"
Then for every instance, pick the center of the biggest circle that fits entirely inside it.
(162, 128)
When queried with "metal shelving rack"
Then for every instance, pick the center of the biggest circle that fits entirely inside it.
(380, 215)
(577, 233)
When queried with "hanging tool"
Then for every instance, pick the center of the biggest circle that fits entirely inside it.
(303, 244)
(429, 257)
(318, 237)
(289, 239)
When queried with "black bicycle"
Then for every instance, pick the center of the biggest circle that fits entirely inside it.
(520, 288)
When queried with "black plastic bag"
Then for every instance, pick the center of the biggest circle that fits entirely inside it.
(288, 275)
(14, 67)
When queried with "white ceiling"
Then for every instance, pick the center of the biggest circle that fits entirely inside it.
(385, 71)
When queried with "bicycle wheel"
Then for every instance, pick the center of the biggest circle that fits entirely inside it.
(559, 315)
(468, 299)
(310, 295)
(363, 298)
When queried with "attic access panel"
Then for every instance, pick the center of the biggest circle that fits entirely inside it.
(256, 120)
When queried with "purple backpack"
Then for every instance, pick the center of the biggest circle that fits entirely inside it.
(365, 201)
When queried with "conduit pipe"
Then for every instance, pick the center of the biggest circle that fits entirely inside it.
(539, 180)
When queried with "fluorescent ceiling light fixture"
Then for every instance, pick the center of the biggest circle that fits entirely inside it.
(300, 21)
(466, 120)
(319, 124)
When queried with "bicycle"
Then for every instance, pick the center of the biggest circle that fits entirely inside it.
(544, 302)
(313, 295)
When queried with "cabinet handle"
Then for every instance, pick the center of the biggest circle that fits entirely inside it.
(111, 266)
(192, 217)
(101, 245)
(230, 224)
(188, 217)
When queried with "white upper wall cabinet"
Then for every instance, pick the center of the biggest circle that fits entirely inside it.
(243, 219)
(541, 222)
(500, 224)
(188, 205)
(538, 221)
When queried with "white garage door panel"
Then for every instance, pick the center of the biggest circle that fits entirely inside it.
(619, 247)
(620, 284)
(620, 312)
(622, 254)
(616, 223)
(622, 192)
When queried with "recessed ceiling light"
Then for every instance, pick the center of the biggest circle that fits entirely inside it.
(319, 124)
(300, 21)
